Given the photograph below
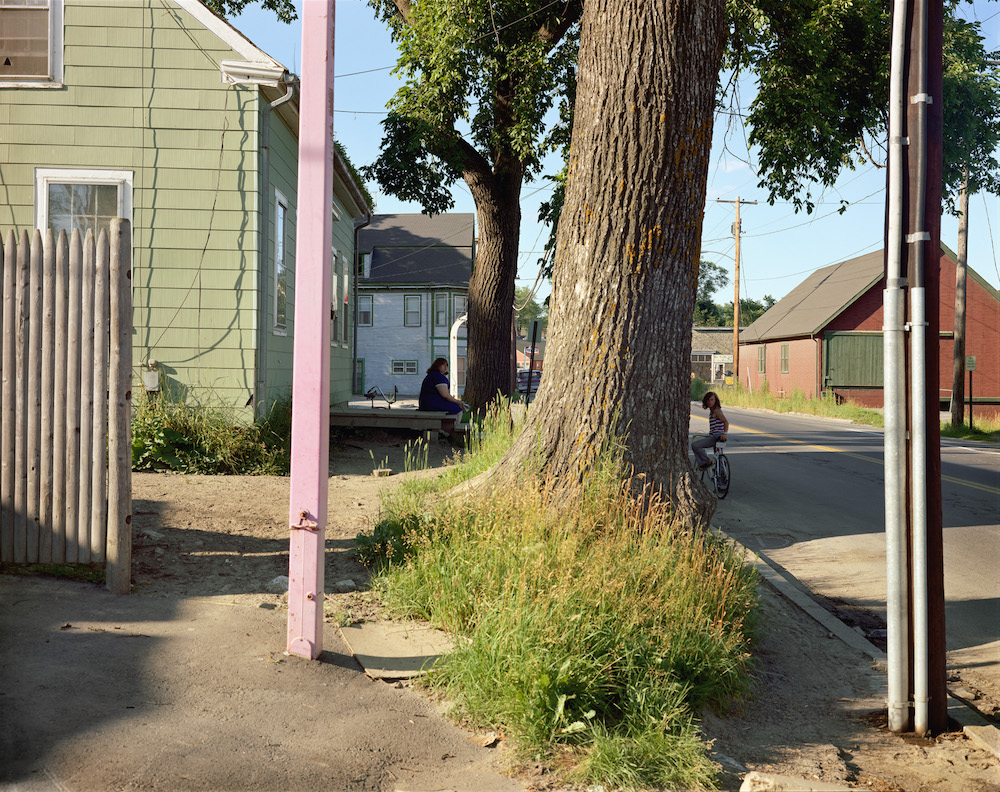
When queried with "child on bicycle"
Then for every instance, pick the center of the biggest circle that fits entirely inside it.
(718, 426)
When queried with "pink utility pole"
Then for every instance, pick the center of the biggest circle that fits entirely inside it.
(311, 362)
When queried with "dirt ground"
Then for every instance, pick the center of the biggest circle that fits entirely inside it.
(817, 709)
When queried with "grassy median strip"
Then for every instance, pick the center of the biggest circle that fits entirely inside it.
(593, 631)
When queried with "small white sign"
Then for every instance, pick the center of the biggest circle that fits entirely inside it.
(531, 350)
(970, 362)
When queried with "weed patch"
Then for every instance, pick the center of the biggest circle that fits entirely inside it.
(798, 402)
(170, 435)
(594, 629)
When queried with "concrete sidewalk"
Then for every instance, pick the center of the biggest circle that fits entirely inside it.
(136, 693)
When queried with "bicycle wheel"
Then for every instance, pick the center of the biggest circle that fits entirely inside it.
(721, 476)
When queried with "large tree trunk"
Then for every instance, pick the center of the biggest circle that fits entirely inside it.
(626, 266)
(491, 288)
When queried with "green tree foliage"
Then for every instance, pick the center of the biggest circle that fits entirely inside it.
(822, 99)
(711, 278)
(822, 69)
(283, 9)
(750, 310)
(971, 111)
(530, 310)
(480, 77)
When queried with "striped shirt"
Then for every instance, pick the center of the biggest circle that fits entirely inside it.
(716, 426)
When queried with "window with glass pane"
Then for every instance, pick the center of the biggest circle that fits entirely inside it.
(784, 358)
(364, 310)
(334, 305)
(461, 305)
(345, 313)
(440, 310)
(761, 359)
(280, 265)
(24, 39)
(74, 205)
(404, 367)
(411, 310)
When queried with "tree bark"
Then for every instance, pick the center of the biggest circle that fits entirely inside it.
(626, 269)
(958, 366)
(491, 287)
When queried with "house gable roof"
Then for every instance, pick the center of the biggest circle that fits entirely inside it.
(815, 302)
(717, 340)
(419, 249)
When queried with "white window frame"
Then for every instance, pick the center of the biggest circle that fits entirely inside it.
(334, 305)
(420, 310)
(404, 368)
(371, 310)
(280, 328)
(366, 265)
(461, 302)
(54, 79)
(45, 176)
(441, 298)
(345, 313)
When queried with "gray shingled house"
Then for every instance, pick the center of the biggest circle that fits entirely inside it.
(413, 283)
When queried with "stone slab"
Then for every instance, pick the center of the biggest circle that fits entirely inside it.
(766, 782)
(987, 737)
(396, 650)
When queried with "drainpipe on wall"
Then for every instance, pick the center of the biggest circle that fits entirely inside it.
(260, 394)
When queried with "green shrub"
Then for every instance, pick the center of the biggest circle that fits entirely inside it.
(171, 435)
(698, 388)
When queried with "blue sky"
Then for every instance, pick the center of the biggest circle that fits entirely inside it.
(778, 248)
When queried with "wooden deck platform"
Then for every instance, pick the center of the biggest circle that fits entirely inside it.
(426, 421)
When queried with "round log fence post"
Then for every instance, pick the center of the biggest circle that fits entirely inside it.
(73, 398)
(99, 478)
(34, 392)
(7, 403)
(119, 562)
(20, 401)
(59, 401)
(46, 376)
(84, 469)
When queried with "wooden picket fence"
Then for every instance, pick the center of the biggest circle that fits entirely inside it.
(65, 400)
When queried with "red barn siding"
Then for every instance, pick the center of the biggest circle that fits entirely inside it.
(865, 314)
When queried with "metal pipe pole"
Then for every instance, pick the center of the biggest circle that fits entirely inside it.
(311, 361)
(918, 389)
(894, 386)
(736, 300)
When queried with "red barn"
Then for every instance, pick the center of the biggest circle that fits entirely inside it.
(826, 335)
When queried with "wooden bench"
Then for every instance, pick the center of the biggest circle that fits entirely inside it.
(426, 421)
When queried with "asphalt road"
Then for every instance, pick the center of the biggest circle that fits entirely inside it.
(807, 494)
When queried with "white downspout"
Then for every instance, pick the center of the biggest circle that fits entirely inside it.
(895, 388)
(453, 351)
(918, 389)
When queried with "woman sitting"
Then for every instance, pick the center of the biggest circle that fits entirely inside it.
(436, 395)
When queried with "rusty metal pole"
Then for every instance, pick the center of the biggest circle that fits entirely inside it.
(311, 362)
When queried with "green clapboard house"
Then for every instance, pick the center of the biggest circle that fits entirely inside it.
(161, 112)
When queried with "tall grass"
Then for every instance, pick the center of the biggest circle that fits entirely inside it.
(796, 402)
(984, 428)
(173, 435)
(593, 630)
